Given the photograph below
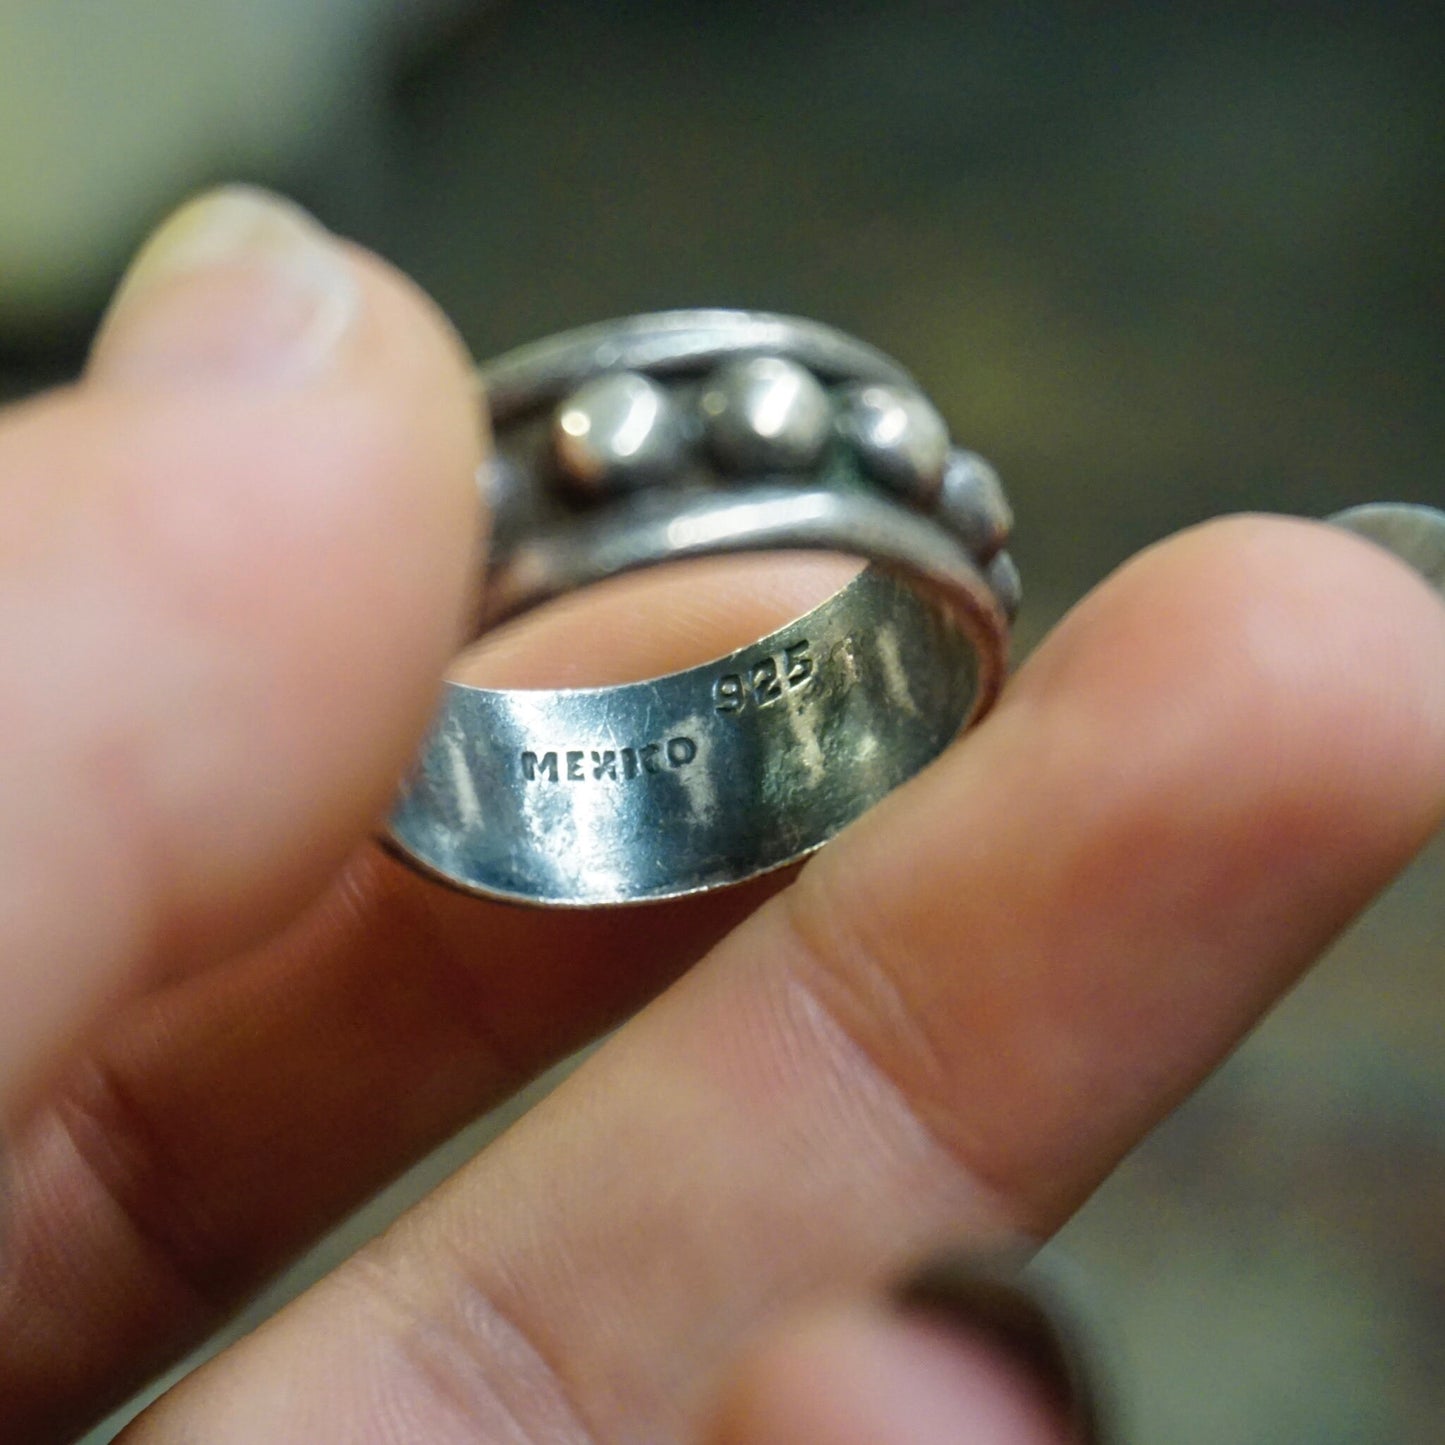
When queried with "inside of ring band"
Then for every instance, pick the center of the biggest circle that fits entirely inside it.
(655, 621)
(649, 790)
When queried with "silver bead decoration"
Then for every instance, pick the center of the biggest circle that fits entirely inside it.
(681, 783)
(619, 432)
(900, 439)
(766, 414)
(972, 505)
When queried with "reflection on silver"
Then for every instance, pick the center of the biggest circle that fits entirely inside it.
(749, 432)
(618, 432)
(899, 438)
(766, 414)
(686, 782)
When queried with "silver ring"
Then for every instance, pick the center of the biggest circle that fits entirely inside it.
(693, 434)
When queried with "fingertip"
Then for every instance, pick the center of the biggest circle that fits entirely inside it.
(264, 381)
(1213, 764)
(1300, 667)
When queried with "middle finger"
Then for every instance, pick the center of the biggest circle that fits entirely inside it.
(1198, 781)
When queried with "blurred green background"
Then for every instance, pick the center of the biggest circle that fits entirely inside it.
(1157, 262)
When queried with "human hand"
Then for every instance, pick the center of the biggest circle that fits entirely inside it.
(233, 564)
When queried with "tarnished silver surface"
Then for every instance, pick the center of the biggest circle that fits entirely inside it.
(672, 528)
(692, 434)
(687, 782)
(900, 439)
(673, 343)
(1413, 533)
(973, 504)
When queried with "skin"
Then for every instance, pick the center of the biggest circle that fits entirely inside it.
(227, 1018)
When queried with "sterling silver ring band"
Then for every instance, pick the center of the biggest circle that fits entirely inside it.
(691, 434)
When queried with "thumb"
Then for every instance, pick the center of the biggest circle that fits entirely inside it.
(233, 563)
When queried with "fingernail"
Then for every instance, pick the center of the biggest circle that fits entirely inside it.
(1415, 534)
(236, 285)
(985, 1297)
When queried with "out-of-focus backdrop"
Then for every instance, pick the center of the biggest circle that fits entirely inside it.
(1169, 261)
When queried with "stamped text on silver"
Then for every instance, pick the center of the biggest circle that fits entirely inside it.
(593, 765)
